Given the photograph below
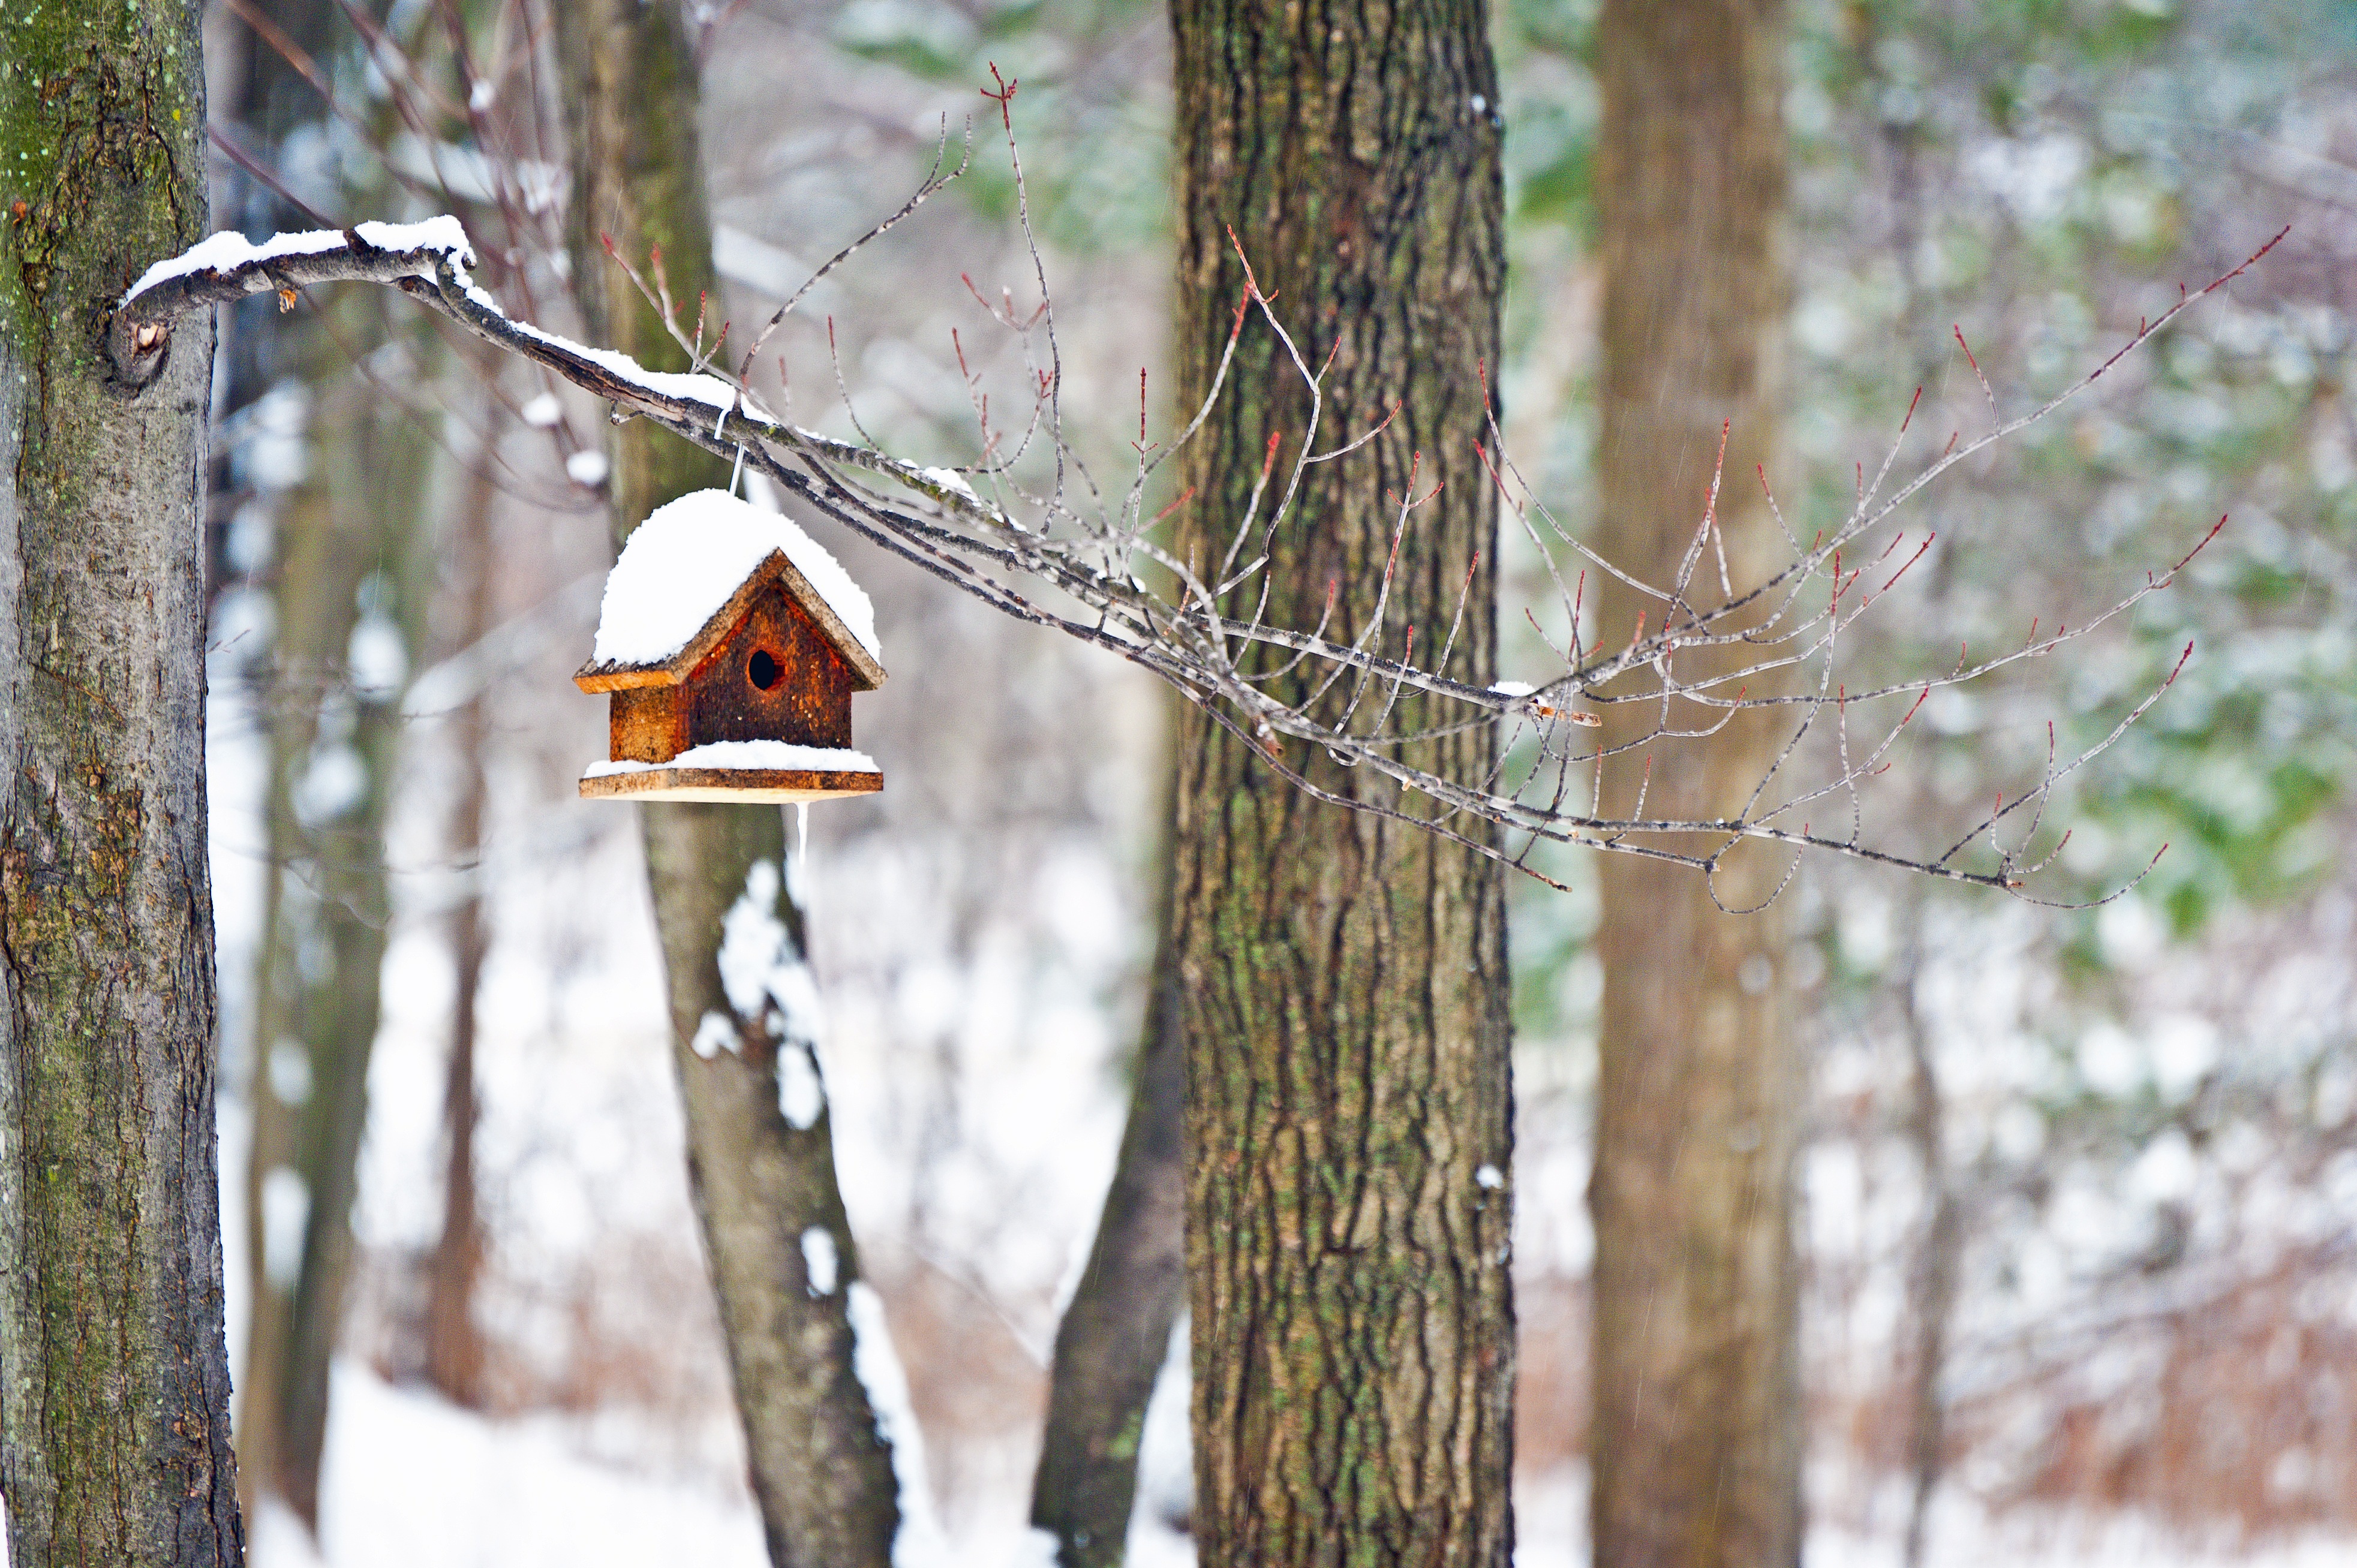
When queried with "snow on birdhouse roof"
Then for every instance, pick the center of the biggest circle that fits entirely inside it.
(683, 565)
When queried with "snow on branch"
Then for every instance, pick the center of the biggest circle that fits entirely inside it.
(1772, 645)
(228, 266)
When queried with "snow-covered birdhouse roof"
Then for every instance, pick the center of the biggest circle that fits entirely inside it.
(686, 576)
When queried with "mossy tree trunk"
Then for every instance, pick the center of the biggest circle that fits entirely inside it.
(115, 1435)
(760, 1141)
(1341, 978)
(1696, 1423)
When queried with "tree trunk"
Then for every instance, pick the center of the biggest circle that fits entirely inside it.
(1696, 1437)
(761, 1142)
(1932, 1293)
(1115, 1331)
(266, 98)
(1341, 978)
(114, 1437)
(454, 1342)
(351, 533)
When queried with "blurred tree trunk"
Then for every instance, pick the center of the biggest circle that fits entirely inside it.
(1696, 1433)
(1931, 1283)
(761, 1142)
(1932, 1293)
(1341, 978)
(349, 532)
(1115, 1332)
(114, 1439)
(349, 550)
(453, 1343)
(266, 98)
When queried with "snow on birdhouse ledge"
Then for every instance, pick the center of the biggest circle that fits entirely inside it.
(730, 644)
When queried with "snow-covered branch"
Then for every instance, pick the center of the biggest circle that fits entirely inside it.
(1771, 645)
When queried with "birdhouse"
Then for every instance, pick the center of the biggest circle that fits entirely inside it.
(730, 643)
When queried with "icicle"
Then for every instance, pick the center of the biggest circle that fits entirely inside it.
(737, 472)
(801, 825)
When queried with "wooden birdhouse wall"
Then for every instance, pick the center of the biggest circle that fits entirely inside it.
(774, 677)
(645, 724)
(806, 699)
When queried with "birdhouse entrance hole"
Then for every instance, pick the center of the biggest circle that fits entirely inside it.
(763, 670)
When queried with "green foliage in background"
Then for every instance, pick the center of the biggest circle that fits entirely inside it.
(2044, 175)
(2040, 173)
(1092, 106)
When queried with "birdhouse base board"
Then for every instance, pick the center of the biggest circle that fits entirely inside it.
(738, 785)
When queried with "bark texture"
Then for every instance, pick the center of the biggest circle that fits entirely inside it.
(1341, 979)
(114, 1434)
(1697, 1435)
(1115, 1332)
(760, 1148)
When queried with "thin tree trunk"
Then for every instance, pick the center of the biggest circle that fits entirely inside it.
(1341, 979)
(1933, 1294)
(114, 1440)
(453, 1343)
(351, 529)
(267, 98)
(273, 99)
(1931, 1287)
(1696, 1433)
(1115, 1331)
(350, 533)
(760, 1141)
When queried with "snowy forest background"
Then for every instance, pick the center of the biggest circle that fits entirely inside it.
(2142, 1177)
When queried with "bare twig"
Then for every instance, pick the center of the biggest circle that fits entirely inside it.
(1094, 552)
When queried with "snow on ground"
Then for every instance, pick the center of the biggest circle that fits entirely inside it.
(411, 1479)
(1551, 1526)
(1964, 1534)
